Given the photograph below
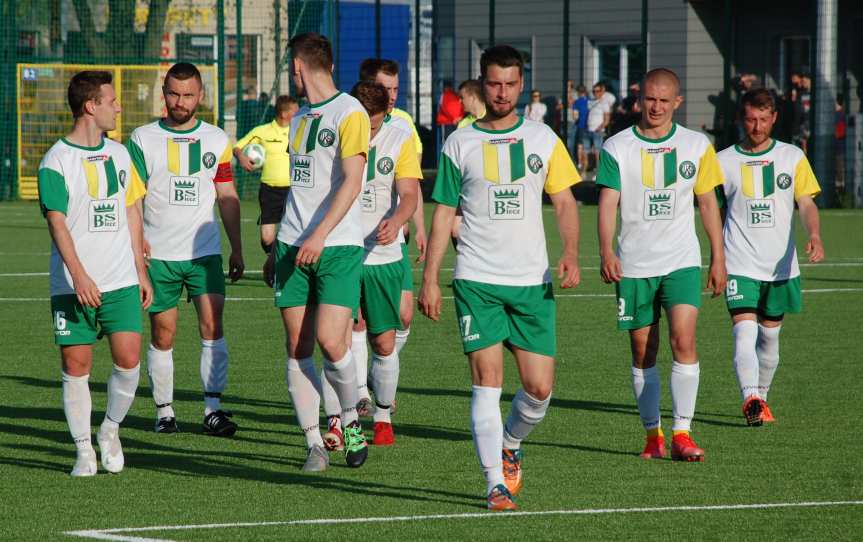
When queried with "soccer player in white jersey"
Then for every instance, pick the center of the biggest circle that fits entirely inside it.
(764, 178)
(317, 261)
(652, 171)
(386, 73)
(497, 169)
(186, 165)
(99, 281)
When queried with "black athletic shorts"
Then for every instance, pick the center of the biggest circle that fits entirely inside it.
(272, 200)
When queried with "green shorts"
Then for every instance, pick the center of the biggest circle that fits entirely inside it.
(76, 324)
(381, 296)
(523, 316)
(640, 300)
(764, 297)
(408, 278)
(333, 280)
(200, 276)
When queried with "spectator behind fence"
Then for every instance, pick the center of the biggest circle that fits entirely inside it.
(450, 110)
(579, 114)
(535, 110)
(598, 117)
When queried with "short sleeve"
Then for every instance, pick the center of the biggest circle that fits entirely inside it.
(53, 193)
(136, 190)
(252, 134)
(418, 143)
(608, 171)
(225, 158)
(407, 163)
(709, 172)
(561, 171)
(354, 134)
(805, 183)
(447, 186)
(139, 165)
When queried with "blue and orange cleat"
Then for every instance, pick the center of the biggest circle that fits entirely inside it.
(512, 470)
(500, 499)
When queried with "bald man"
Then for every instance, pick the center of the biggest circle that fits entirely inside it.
(653, 171)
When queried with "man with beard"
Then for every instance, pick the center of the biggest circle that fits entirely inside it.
(496, 169)
(186, 165)
(316, 264)
(764, 180)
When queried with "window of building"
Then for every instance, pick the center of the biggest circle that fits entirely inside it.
(618, 65)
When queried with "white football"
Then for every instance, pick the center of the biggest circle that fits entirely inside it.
(256, 154)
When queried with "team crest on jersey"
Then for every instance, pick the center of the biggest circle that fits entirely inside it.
(209, 160)
(104, 215)
(368, 199)
(760, 213)
(184, 191)
(783, 181)
(506, 202)
(302, 171)
(659, 204)
(385, 165)
(686, 169)
(326, 137)
(122, 177)
(534, 163)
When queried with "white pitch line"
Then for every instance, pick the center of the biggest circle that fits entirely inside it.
(114, 534)
(812, 291)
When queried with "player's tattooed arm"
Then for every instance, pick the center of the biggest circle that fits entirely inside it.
(812, 222)
(135, 221)
(388, 229)
(610, 268)
(345, 196)
(708, 207)
(429, 299)
(566, 210)
(229, 209)
(85, 289)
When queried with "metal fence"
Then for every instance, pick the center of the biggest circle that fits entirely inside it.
(241, 47)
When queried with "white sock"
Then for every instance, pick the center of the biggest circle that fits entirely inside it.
(487, 429)
(684, 392)
(78, 406)
(331, 400)
(645, 386)
(214, 372)
(402, 338)
(160, 372)
(304, 388)
(767, 349)
(121, 392)
(745, 360)
(526, 412)
(385, 378)
(343, 378)
(360, 353)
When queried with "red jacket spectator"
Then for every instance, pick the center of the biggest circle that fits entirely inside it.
(450, 111)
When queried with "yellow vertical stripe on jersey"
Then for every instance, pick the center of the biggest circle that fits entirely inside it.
(805, 183)
(647, 169)
(91, 171)
(746, 180)
(298, 137)
(490, 165)
(173, 157)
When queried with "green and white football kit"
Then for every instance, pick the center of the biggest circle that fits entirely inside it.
(657, 180)
(92, 186)
(497, 177)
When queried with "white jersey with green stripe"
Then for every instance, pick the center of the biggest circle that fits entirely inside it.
(657, 180)
(759, 192)
(92, 186)
(180, 169)
(392, 158)
(497, 177)
(322, 135)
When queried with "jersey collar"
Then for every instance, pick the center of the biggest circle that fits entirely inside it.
(514, 127)
(740, 149)
(328, 100)
(174, 131)
(82, 147)
(660, 140)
